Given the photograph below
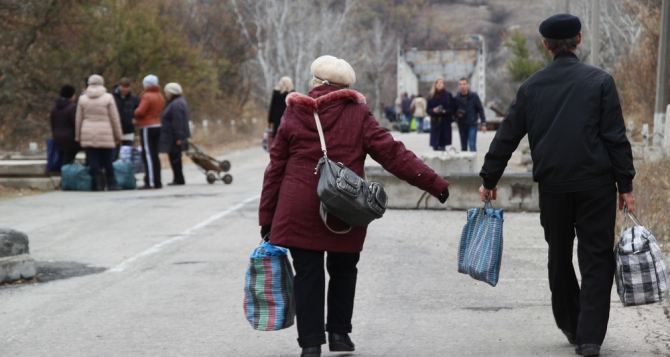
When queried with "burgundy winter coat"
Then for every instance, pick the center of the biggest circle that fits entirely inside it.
(289, 201)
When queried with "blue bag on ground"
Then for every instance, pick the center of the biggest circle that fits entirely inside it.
(480, 250)
(125, 175)
(75, 177)
(54, 159)
(269, 304)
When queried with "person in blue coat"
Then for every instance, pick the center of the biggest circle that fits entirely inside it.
(441, 107)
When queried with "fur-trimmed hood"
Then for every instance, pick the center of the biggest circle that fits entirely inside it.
(329, 101)
(316, 100)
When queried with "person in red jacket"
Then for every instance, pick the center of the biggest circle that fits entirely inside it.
(148, 120)
(289, 208)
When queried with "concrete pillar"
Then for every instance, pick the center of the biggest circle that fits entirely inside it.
(666, 138)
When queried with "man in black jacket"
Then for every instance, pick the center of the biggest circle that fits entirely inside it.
(126, 103)
(469, 111)
(581, 157)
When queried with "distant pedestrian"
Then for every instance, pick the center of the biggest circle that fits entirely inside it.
(581, 158)
(175, 130)
(440, 108)
(469, 111)
(289, 208)
(63, 125)
(126, 102)
(148, 120)
(419, 107)
(278, 103)
(98, 131)
(406, 107)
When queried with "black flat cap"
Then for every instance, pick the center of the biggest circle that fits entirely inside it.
(560, 27)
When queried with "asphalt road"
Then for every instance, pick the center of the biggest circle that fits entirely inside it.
(162, 274)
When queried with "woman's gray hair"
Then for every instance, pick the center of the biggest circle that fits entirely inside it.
(285, 85)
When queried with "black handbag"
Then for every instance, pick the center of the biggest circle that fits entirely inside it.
(344, 194)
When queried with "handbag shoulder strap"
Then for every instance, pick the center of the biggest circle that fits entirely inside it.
(321, 137)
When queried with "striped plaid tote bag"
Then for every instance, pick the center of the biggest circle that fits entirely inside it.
(480, 249)
(641, 275)
(269, 304)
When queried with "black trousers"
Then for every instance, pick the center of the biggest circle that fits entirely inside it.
(68, 156)
(175, 163)
(591, 216)
(310, 284)
(100, 160)
(152, 164)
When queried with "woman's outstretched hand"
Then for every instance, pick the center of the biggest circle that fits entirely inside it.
(488, 195)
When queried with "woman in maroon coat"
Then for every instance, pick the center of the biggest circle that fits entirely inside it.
(289, 209)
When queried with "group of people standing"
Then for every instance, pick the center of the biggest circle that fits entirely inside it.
(100, 122)
(443, 108)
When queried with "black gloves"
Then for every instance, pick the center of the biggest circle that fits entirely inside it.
(265, 232)
(444, 195)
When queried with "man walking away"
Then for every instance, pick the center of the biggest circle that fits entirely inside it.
(581, 157)
(126, 102)
(63, 123)
(175, 130)
(469, 110)
(148, 120)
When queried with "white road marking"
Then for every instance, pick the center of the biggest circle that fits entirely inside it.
(183, 236)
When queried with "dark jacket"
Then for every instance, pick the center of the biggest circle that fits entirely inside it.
(63, 123)
(446, 101)
(277, 108)
(174, 125)
(468, 109)
(126, 106)
(573, 118)
(289, 201)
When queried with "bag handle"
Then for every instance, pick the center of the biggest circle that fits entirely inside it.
(324, 218)
(628, 215)
(322, 139)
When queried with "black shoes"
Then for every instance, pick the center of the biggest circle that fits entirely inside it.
(314, 351)
(588, 350)
(572, 339)
(340, 342)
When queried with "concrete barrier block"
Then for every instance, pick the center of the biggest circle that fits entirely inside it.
(13, 243)
(516, 192)
(17, 267)
(445, 162)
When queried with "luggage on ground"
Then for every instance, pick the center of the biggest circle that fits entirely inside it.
(124, 175)
(641, 275)
(269, 304)
(134, 156)
(75, 177)
(480, 250)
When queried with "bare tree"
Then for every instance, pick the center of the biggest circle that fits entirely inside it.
(287, 35)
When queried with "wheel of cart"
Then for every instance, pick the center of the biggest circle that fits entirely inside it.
(211, 177)
(227, 179)
(224, 165)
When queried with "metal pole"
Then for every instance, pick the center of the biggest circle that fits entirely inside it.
(662, 74)
(595, 33)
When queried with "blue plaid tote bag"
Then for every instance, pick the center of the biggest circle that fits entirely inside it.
(641, 275)
(480, 250)
(268, 291)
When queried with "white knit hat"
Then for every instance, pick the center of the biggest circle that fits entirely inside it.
(96, 79)
(333, 70)
(150, 81)
(173, 88)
